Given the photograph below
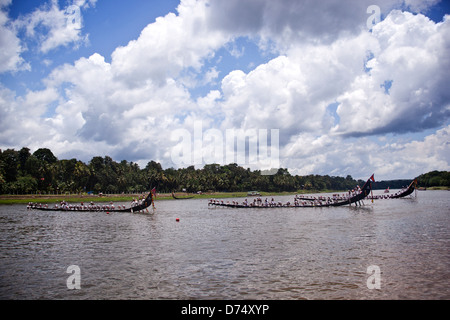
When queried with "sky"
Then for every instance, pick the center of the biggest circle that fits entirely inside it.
(318, 87)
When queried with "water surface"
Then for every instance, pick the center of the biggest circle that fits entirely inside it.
(224, 253)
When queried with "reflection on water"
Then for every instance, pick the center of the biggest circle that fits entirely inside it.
(224, 253)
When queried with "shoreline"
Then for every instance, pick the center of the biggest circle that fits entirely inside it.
(78, 198)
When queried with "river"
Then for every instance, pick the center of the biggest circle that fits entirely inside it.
(225, 253)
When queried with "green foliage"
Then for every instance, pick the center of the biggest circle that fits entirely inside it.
(22, 172)
(45, 155)
(391, 184)
(434, 179)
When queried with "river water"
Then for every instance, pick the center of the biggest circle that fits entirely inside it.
(224, 253)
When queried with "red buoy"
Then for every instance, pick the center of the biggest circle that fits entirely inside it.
(177, 219)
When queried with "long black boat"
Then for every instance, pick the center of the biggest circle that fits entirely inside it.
(406, 192)
(139, 206)
(364, 192)
(400, 194)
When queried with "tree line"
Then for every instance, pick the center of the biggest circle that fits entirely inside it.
(426, 180)
(23, 172)
(434, 179)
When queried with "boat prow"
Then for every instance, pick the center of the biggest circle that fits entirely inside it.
(406, 192)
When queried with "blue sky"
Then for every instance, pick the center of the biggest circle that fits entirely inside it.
(346, 100)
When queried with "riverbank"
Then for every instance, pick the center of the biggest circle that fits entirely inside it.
(78, 198)
(74, 198)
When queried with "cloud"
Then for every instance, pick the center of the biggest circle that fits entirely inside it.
(168, 46)
(271, 96)
(10, 46)
(289, 22)
(54, 27)
(114, 118)
(19, 114)
(293, 92)
(390, 159)
(410, 53)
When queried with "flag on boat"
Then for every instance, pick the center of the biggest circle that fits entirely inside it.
(372, 178)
